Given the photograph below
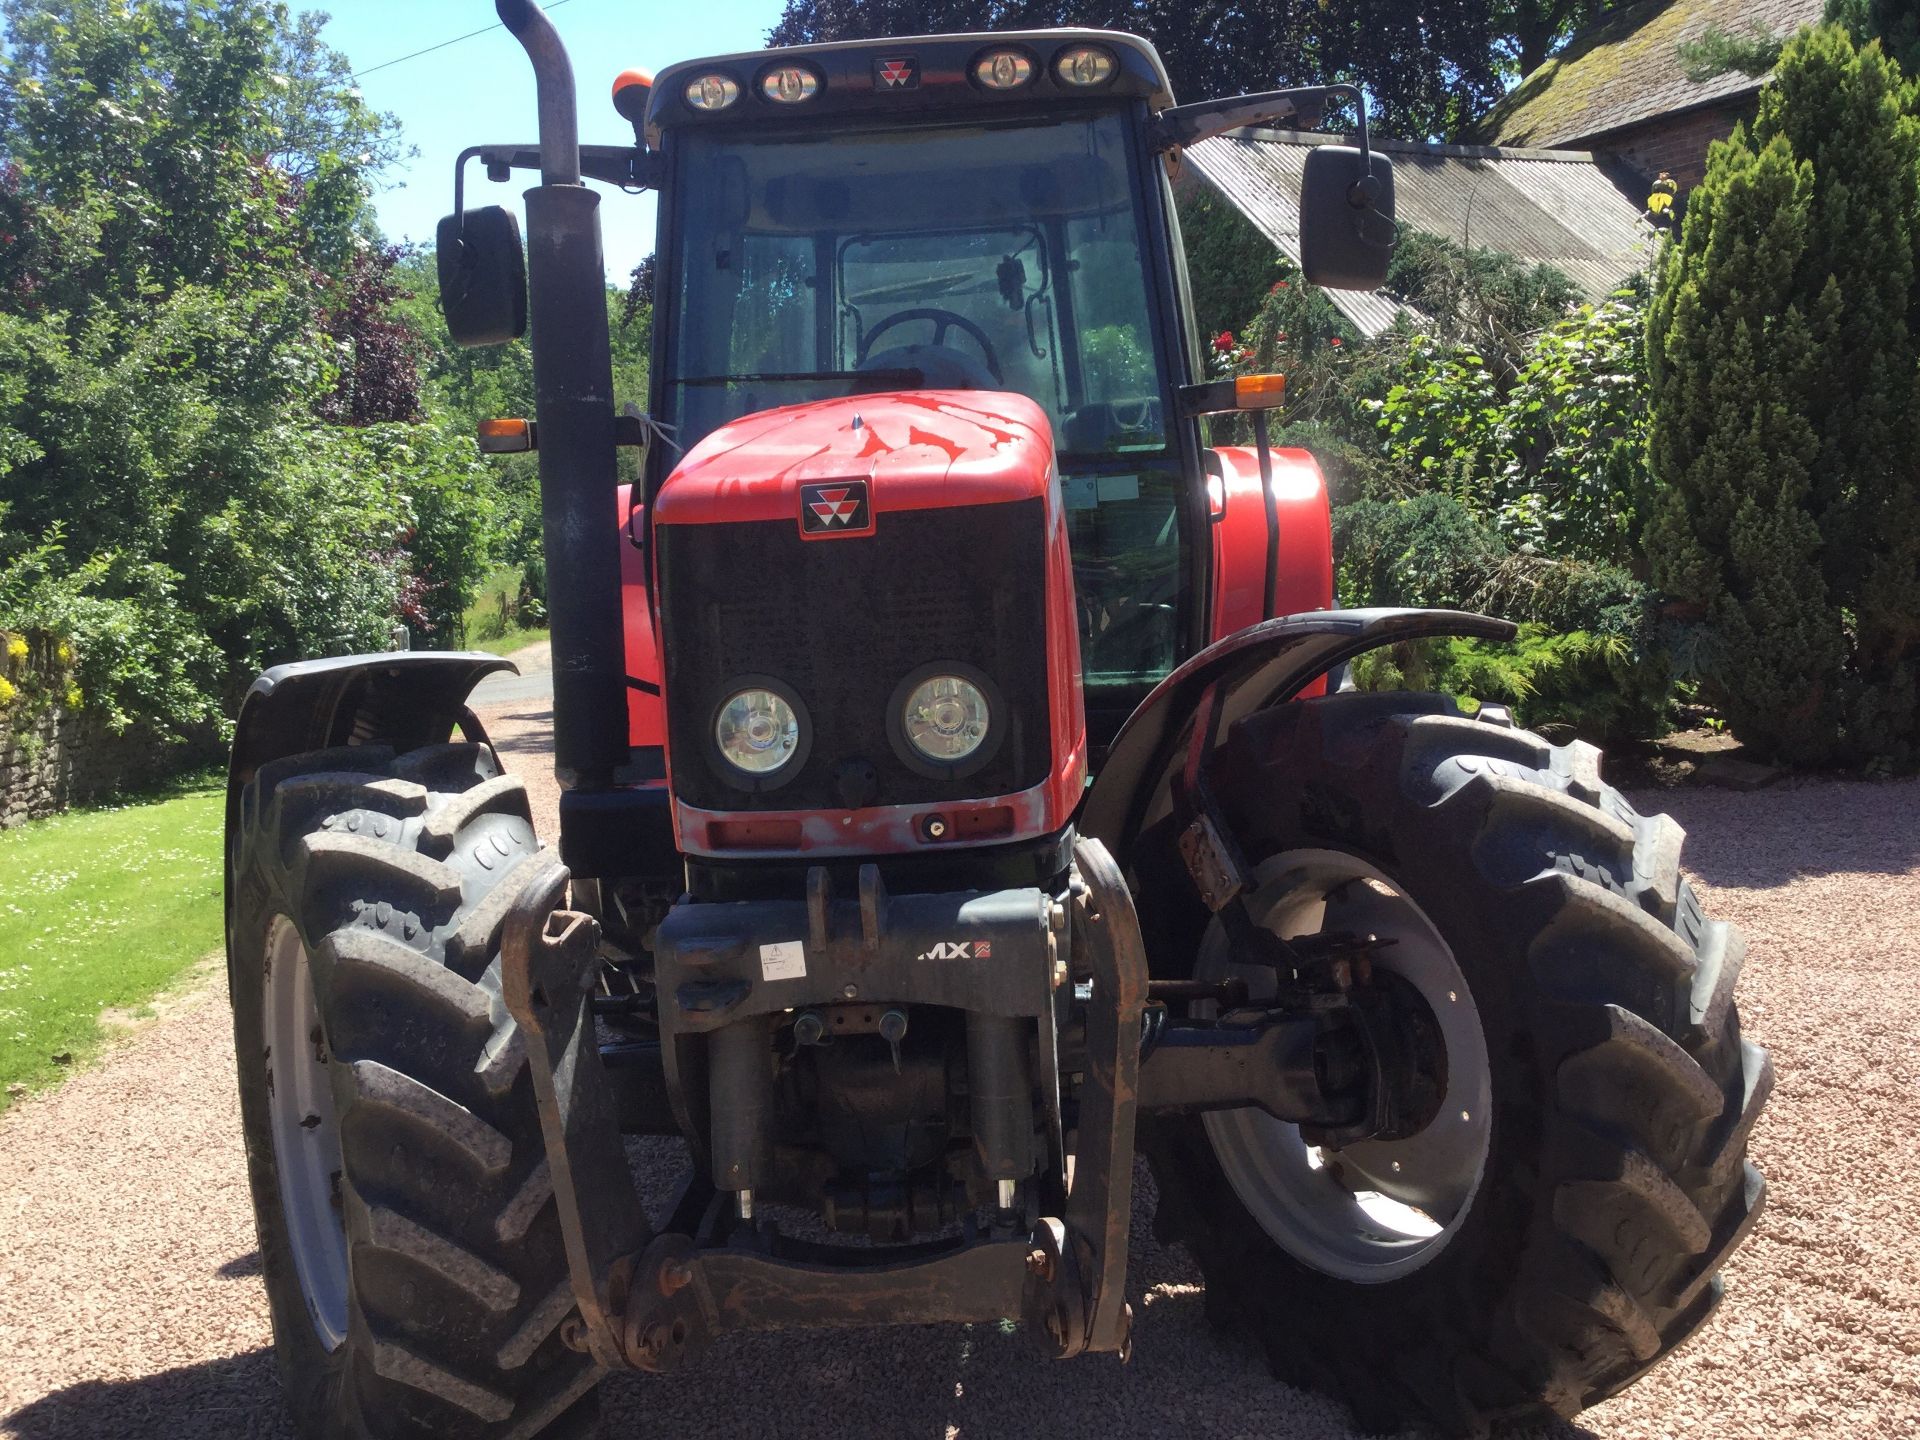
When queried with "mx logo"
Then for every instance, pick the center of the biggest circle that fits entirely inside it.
(839, 507)
(959, 950)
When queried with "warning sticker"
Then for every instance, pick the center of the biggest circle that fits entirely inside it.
(785, 960)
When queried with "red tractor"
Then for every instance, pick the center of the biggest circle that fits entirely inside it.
(961, 798)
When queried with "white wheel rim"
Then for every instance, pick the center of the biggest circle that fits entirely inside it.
(1378, 1210)
(306, 1137)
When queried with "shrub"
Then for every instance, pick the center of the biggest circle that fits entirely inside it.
(1596, 687)
(1574, 435)
(134, 655)
(1553, 459)
(1229, 263)
(1588, 657)
(1478, 299)
(1786, 433)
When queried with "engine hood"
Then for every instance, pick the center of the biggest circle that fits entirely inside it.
(916, 449)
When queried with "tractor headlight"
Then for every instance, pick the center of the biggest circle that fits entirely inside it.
(759, 732)
(947, 718)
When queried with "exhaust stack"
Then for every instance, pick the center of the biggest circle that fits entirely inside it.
(573, 402)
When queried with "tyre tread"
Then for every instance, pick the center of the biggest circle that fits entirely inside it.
(396, 1362)
(487, 1284)
(414, 1102)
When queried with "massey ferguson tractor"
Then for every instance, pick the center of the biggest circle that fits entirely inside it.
(961, 797)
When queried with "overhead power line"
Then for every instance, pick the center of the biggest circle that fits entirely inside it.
(402, 59)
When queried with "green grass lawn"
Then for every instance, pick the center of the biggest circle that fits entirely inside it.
(101, 909)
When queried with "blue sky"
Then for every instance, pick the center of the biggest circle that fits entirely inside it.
(481, 90)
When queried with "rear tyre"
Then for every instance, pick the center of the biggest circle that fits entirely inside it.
(1540, 1256)
(413, 1258)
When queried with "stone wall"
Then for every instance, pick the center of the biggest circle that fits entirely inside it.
(53, 754)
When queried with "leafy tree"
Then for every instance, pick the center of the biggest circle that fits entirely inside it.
(380, 351)
(464, 387)
(205, 450)
(316, 110)
(1786, 428)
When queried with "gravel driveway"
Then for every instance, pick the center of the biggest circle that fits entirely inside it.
(130, 1301)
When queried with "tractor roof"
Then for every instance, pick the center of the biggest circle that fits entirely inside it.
(913, 76)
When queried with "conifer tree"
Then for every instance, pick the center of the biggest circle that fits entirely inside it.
(1786, 392)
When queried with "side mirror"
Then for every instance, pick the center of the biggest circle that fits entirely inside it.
(483, 277)
(1347, 232)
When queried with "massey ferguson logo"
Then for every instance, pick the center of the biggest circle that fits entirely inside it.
(959, 950)
(899, 73)
(836, 508)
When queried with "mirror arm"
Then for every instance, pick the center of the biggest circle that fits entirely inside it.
(1189, 124)
(624, 165)
(1354, 93)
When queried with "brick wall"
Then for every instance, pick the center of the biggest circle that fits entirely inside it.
(1676, 144)
(52, 756)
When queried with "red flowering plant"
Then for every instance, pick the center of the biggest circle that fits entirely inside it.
(1227, 356)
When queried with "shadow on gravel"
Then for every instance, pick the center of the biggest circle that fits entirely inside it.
(1763, 839)
(535, 739)
(238, 1397)
(921, 1384)
(241, 1267)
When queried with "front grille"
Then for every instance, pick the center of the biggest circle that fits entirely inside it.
(843, 622)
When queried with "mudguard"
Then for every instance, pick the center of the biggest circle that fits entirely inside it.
(1264, 664)
(404, 699)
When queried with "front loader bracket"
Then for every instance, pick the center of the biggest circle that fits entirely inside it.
(1108, 948)
(549, 963)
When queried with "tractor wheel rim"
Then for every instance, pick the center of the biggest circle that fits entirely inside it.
(306, 1135)
(1378, 1210)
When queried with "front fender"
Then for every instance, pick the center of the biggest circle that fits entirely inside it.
(1264, 664)
(405, 699)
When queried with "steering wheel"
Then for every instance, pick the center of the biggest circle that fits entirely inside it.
(943, 321)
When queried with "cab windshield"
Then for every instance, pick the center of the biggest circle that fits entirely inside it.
(978, 256)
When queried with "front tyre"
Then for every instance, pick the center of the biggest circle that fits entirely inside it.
(413, 1259)
(1558, 1226)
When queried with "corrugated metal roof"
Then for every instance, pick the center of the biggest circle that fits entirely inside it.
(1563, 208)
(1627, 70)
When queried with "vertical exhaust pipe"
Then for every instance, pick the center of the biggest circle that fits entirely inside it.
(573, 403)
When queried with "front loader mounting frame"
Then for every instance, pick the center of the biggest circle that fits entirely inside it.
(647, 1301)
